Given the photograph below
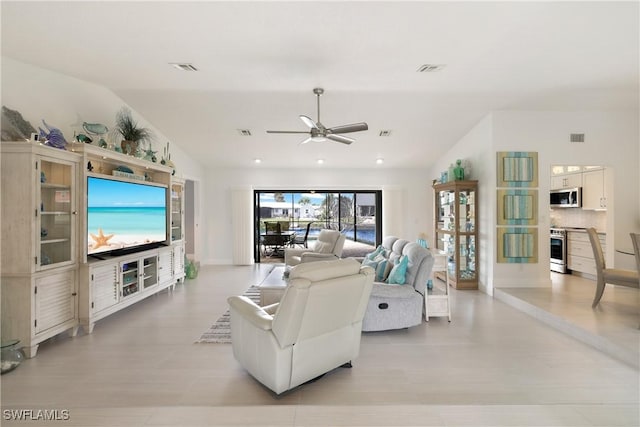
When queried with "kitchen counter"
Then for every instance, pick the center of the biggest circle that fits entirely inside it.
(580, 230)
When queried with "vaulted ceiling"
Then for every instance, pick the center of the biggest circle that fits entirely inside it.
(258, 63)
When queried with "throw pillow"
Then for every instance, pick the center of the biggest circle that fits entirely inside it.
(397, 276)
(373, 263)
(383, 269)
(379, 250)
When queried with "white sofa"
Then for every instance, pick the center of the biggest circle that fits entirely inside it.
(400, 306)
(315, 327)
(328, 246)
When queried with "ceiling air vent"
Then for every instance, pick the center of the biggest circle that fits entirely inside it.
(183, 66)
(244, 132)
(385, 132)
(576, 137)
(430, 68)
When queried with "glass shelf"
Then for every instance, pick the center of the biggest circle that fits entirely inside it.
(177, 196)
(55, 214)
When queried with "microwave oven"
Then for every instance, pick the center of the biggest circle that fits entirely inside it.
(566, 198)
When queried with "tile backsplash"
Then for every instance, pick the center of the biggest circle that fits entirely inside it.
(578, 218)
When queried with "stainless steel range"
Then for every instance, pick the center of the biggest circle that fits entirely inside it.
(559, 250)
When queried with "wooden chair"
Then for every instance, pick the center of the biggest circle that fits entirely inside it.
(613, 276)
(635, 239)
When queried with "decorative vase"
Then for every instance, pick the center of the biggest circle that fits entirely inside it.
(129, 147)
(458, 171)
(11, 356)
(450, 173)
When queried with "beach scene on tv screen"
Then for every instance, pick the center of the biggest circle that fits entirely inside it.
(123, 215)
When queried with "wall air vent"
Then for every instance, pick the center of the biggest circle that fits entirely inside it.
(430, 68)
(183, 66)
(244, 132)
(576, 137)
(385, 132)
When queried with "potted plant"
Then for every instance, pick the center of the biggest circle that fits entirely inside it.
(131, 133)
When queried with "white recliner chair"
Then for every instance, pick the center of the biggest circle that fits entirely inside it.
(315, 328)
(328, 246)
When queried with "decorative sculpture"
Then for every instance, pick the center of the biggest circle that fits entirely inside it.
(14, 127)
(83, 138)
(95, 128)
(54, 138)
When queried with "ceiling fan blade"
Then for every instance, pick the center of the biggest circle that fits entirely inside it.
(353, 127)
(307, 121)
(306, 140)
(287, 131)
(340, 138)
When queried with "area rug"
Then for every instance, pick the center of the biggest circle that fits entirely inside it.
(220, 332)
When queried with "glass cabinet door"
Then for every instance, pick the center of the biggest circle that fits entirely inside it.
(456, 231)
(466, 227)
(129, 278)
(56, 213)
(150, 272)
(446, 226)
(177, 195)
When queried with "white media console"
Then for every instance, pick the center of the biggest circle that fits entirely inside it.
(50, 284)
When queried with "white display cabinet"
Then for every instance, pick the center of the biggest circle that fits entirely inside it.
(39, 232)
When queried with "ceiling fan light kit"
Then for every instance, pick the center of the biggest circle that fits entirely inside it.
(319, 133)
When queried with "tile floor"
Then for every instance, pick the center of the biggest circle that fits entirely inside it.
(493, 365)
(612, 327)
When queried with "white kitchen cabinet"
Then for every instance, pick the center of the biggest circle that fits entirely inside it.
(594, 190)
(571, 180)
(580, 254)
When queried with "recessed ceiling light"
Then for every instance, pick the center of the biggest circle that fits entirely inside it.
(430, 68)
(385, 132)
(183, 66)
(320, 161)
(256, 161)
(244, 132)
(379, 160)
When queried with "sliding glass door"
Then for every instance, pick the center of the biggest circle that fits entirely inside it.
(356, 214)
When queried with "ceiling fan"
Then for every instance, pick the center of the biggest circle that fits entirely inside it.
(319, 133)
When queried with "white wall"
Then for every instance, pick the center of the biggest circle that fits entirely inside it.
(66, 102)
(475, 148)
(611, 139)
(410, 189)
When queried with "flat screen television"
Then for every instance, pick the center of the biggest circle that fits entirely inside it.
(124, 217)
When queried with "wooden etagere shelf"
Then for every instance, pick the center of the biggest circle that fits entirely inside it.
(456, 231)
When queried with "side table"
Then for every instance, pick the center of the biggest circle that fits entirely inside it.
(273, 286)
(437, 304)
